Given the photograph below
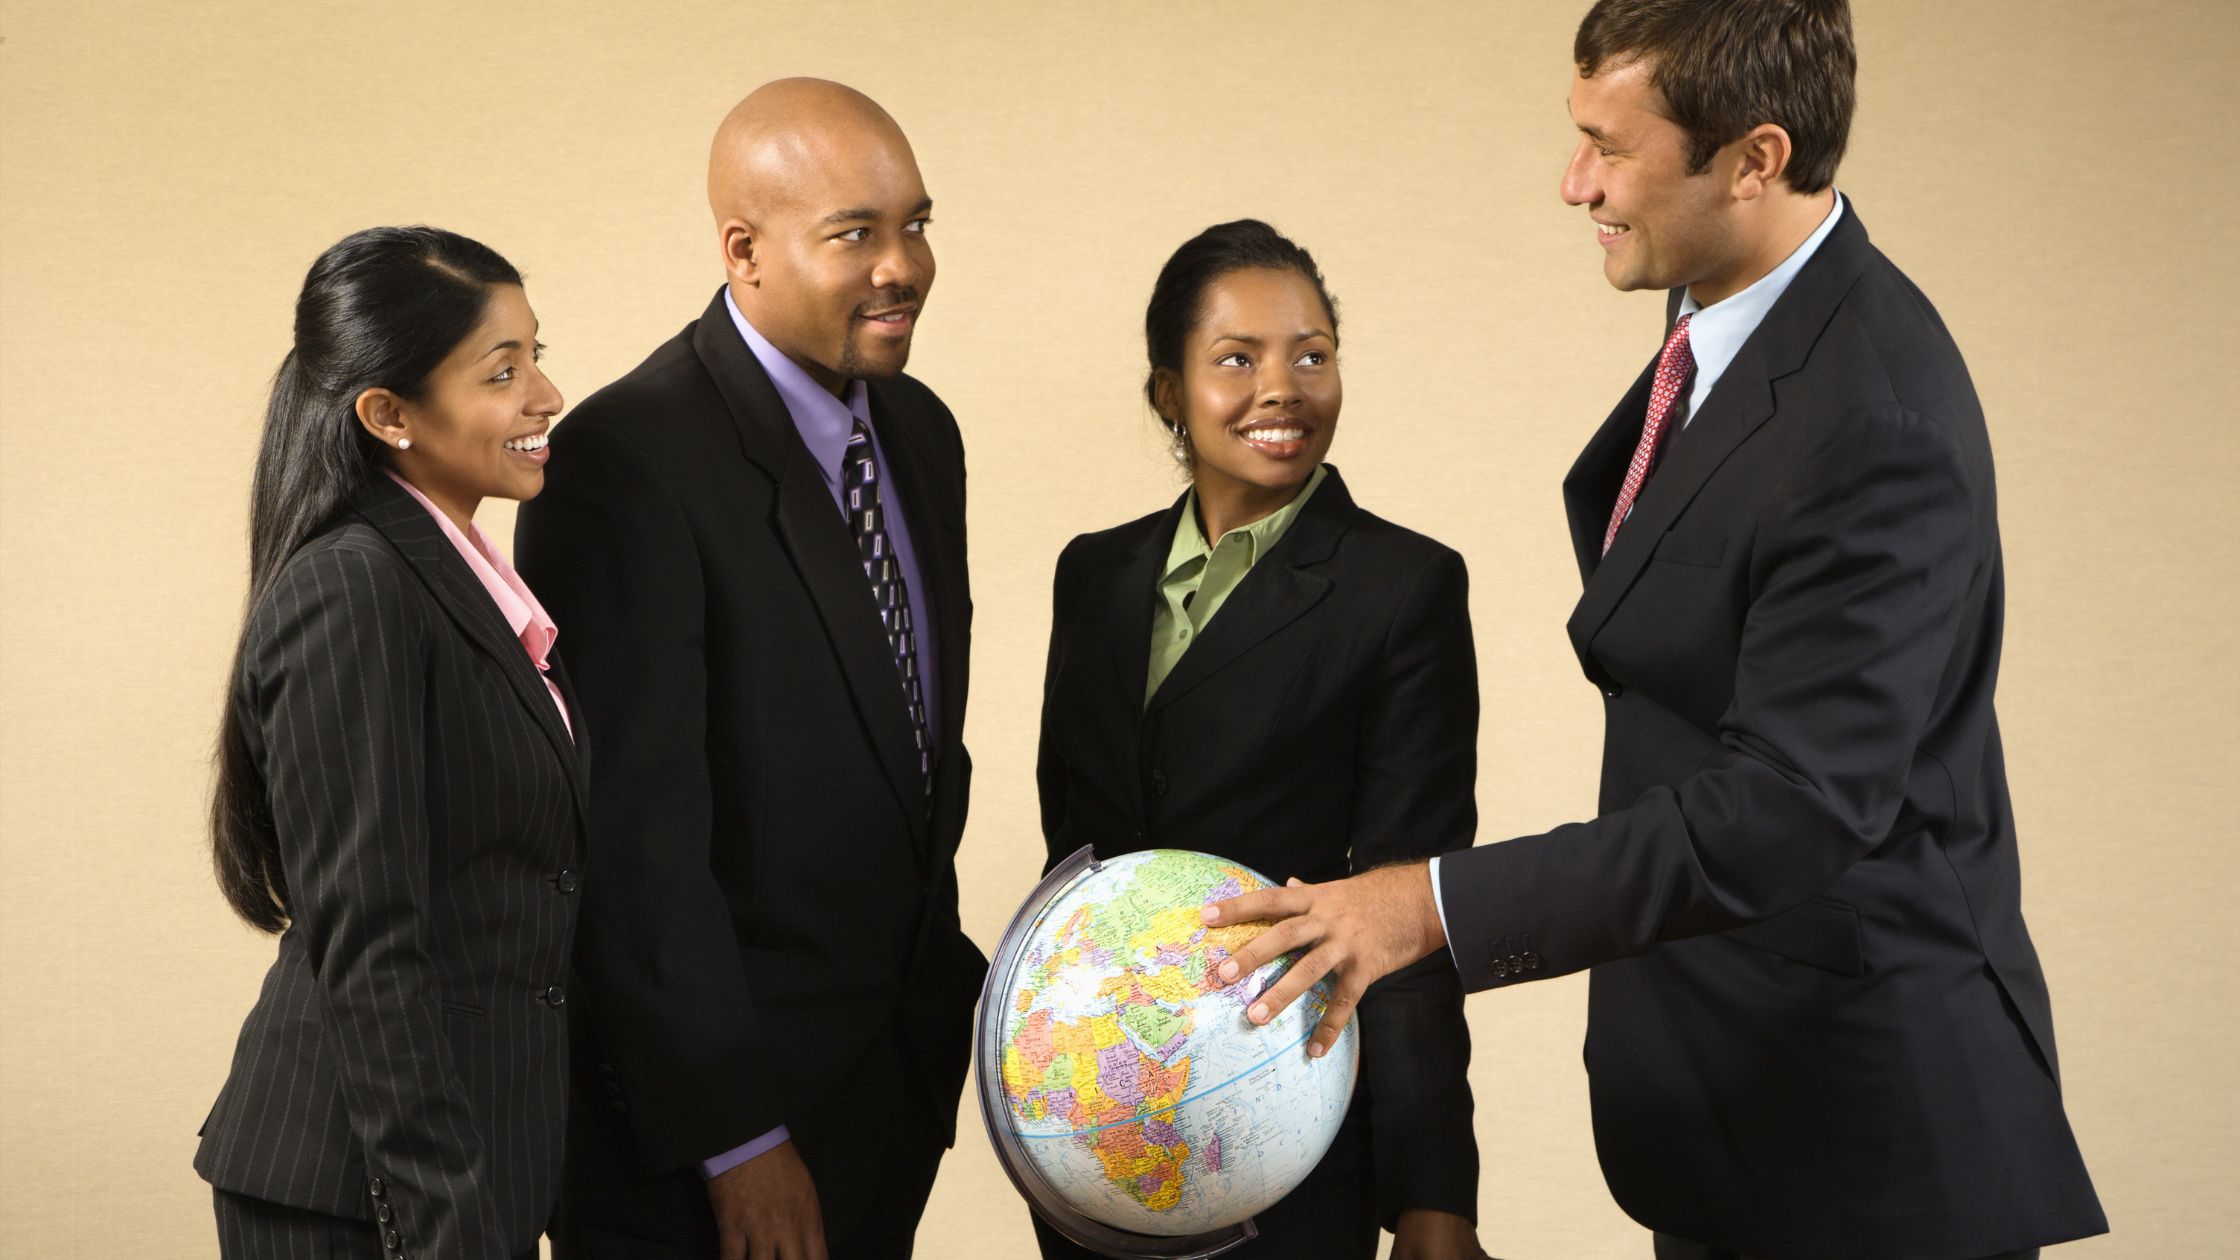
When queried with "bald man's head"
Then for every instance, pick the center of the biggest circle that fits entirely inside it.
(822, 214)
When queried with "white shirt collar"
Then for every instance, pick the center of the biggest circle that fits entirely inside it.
(1717, 332)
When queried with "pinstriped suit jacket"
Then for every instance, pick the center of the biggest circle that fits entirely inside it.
(429, 805)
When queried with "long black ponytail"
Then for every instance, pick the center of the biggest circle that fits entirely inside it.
(381, 309)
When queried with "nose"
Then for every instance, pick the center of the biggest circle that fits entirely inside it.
(1580, 186)
(544, 399)
(899, 266)
(1276, 384)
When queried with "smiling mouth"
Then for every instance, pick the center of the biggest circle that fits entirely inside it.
(1280, 439)
(1609, 232)
(895, 320)
(528, 445)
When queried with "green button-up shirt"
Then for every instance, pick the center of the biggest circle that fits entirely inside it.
(1198, 579)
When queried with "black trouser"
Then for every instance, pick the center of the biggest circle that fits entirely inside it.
(1670, 1248)
(259, 1229)
(1332, 1215)
(873, 1149)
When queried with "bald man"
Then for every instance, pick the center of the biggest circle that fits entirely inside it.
(755, 543)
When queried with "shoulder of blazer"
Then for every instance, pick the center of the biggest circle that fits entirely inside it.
(389, 574)
(1371, 539)
(1120, 543)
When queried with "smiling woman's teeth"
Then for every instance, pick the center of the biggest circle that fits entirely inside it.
(534, 442)
(1607, 229)
(1275, 435)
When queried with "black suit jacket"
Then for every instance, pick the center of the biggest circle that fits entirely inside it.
(408, 1053)
(1817, 1026)
(1326, 723)
(771, 890)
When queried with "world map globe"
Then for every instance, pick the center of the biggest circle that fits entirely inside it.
(1128, 1097)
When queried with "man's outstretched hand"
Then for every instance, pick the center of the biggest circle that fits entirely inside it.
(1363, 928)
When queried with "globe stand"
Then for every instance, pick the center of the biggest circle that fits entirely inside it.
(1120, 1244)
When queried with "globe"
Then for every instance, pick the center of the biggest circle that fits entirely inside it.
(1127, 1095)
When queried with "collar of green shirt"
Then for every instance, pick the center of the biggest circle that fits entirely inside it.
(1198, 578)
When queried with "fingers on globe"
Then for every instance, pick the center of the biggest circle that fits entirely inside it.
(1301, 976)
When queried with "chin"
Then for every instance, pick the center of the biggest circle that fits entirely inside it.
(875, 362)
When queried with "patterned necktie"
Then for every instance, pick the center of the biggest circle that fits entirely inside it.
(1673, 367)
(867, 519)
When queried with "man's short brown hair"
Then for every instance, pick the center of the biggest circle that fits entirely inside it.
(1725, 66)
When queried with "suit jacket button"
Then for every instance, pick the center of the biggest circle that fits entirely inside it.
(554, 997)
(1158, 783)
(390, 1239)
(1614, 690)
(378, 1187)
(565, 881)
(384, 1214)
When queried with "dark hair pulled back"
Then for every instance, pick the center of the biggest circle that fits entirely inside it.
(1178, 299)
(380, 309)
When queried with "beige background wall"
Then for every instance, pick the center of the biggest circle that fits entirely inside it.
(2058, 176)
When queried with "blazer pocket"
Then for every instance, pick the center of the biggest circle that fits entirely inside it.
(1707, 550)
(1823, 934)
(464, 1011)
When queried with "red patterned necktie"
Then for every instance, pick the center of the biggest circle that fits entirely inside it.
(1673, 367)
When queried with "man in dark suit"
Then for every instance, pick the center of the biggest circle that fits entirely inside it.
(1817, 1027)
(756, 541)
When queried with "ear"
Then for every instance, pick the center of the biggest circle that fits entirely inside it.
(1166, 393)
(1764, 153)
(740, 261)
(384, 416)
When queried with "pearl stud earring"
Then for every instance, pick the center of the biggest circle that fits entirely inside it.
(404, 444)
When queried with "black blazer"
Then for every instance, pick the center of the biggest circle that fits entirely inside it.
(407, 1059)
(1816, 1023)
(1326, 723)
(771, 890)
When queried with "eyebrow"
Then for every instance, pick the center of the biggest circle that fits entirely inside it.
(866, 212)
(1297, 337)
(508, 344)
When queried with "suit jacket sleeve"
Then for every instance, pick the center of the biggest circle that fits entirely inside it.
(1859, 569)
(1049, 767)
(1415, 795)
(609, 551)
(335, 685)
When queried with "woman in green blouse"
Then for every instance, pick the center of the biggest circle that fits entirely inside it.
(1266, 672)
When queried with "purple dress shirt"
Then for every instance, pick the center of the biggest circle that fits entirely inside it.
(825, 424)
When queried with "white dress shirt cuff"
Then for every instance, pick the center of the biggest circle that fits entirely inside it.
(1439, 903)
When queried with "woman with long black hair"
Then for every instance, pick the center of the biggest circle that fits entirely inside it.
(399, 791)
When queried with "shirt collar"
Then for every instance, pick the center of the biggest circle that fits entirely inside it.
(825, 422)
(1717, 332)
(524, 615)
(1190, 540)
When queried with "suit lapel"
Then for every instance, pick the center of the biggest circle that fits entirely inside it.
(1131, 598)
(1742, 400)
(816, 538)
(1277, 592)
(421, 541)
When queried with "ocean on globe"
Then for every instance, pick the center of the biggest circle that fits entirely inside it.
(1135, 1088)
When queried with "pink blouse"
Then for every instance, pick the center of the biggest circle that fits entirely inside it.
(524, 615)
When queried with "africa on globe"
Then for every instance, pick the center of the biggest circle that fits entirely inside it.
(1123, 1086)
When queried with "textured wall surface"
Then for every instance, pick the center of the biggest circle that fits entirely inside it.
(2051, 173)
